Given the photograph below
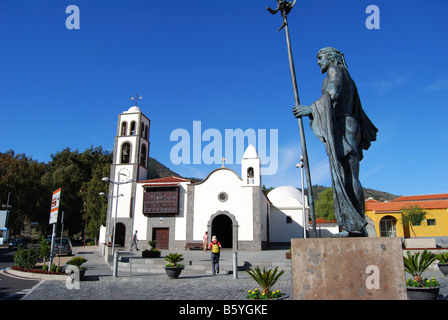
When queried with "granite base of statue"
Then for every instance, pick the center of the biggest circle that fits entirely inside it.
(348, 269)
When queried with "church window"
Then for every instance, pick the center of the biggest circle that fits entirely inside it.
(142, 130)
(124, 125)
(125, 152)
(222, 196)
(288, 219)
(143, 155)
(146, 132)
(132, 128)
(250, 175)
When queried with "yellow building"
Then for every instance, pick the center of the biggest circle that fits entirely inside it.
(388, 216)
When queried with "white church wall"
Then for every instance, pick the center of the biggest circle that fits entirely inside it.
(238, 203)
(280, 230)
(286, 202)
(140, 221)
(263, 216)
(124, 202)
(181, 220)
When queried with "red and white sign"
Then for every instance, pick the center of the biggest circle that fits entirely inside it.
(55, 206)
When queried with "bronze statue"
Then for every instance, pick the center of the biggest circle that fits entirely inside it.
(339, 121)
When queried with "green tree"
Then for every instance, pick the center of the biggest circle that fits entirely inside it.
(69, 170)
(20, 177)
(324, 205)
(95, 206)
(266, 190)
(413, 216)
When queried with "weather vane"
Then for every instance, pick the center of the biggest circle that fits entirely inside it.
(136, 98)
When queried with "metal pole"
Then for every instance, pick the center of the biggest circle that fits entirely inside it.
(52, 243)
(115, 271)
(115, 219)
(235, 265)
(60, 243)
(305, 220)
(285, 7)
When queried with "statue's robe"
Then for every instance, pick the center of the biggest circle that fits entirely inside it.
(329, 121)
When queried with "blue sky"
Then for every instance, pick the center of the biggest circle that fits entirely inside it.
(222, 63)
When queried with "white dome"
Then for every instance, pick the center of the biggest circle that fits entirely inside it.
(250, 153)
(287, 194)
(133, 109)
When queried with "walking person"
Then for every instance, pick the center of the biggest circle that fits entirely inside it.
(215, 246)
(205, 241)
(134, 240)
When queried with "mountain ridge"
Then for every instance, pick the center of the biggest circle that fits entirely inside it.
(159, 170)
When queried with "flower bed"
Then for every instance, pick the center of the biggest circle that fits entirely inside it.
(36, 270)
(423, 284)
(257, 294)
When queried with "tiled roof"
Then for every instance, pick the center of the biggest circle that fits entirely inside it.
(322, 220)
(166, 180)
(161, 185)
(426, 197)
(398, 205)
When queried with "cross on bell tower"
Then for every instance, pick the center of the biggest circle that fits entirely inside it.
(136, 98)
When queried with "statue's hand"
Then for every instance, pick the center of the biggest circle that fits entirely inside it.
(300, 111)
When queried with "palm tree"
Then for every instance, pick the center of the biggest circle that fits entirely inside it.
(417, 263)
(266, 278)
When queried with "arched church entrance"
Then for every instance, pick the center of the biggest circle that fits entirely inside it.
(120, 234)
(222, 228)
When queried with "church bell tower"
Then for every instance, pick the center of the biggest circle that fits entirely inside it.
(250, 168)
(130, 162)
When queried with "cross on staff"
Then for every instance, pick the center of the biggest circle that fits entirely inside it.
(136, 98)
(285, 8)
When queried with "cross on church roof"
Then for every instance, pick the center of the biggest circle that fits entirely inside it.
(223, 160)
(136, 98)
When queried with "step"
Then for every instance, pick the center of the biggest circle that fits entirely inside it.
(151, 265)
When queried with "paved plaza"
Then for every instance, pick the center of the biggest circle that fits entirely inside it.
(191, 285)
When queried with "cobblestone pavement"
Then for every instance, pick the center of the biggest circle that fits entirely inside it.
(191, 285)
(146, 289)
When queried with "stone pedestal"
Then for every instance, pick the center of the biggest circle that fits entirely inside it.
(348, 269)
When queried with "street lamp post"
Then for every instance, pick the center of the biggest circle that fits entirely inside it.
(300, 165)
(118, 183)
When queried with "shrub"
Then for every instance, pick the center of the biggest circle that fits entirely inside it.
(443, 257)
(27, 258)
(417, 263)
(266, 278)
(77, 261)
(173, 260)
(152, 245)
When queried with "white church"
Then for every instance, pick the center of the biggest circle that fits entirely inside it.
(176, 212)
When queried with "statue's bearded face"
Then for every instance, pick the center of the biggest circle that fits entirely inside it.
(323, 62)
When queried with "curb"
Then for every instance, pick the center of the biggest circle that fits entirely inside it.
(31, 275)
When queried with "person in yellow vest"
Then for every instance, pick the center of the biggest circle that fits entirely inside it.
(215, 246)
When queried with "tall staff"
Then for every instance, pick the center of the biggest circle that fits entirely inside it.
(285, 8)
